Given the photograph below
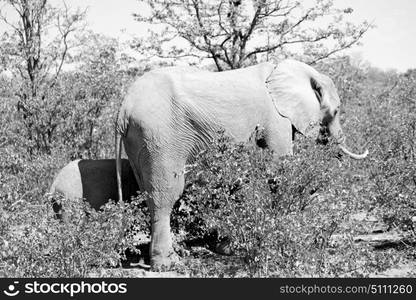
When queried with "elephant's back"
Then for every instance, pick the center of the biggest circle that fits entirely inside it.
(177, 100)
(99, 181)
(147, 99)
(95, 181)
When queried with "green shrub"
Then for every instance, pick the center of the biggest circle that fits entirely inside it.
(281, 215)
(380, 110)
(393, 169)
(287, 218)
(35, 244)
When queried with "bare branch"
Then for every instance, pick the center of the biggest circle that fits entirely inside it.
(348, 45)
(222, 29)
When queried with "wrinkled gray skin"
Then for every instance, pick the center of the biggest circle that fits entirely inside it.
(93, 180)
(171, 114)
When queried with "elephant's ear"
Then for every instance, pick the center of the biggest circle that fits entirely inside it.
(296, 93)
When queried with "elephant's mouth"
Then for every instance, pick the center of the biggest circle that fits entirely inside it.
(324, 137)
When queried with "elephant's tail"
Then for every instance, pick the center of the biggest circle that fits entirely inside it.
(118, 143)
(121, 128)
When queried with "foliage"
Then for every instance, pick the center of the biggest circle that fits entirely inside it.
(394, 172)
(87, 98)
(301, 226)
(35, 244)
(272, 212)
(35, 50)
(49, 115)
(384, 110)
(238, 33)
(78, 112)
(289, 218)
(293, 217)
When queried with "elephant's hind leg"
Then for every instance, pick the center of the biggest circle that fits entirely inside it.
(169, 184)
(160, 173)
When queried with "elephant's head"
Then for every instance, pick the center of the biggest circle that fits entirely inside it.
(310, 101)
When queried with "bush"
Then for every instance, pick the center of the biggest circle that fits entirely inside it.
(285, 218)
(393, 169)
(291, 217)
(383, 107)
(35, 244)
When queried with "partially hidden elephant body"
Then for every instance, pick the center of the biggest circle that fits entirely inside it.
(93, 180)
(171, 114)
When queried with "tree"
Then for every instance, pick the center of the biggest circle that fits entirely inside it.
(96, 88)
(234, 33)
(35, 50)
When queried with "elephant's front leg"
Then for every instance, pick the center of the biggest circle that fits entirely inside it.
(279, 136)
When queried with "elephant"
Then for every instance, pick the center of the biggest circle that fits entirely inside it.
(94, 181)
(171, 114)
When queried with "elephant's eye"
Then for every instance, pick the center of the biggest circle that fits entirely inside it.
(335, 112)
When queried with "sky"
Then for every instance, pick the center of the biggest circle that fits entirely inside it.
(390, 45)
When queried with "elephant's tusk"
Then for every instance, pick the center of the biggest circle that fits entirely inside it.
(353, 155)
